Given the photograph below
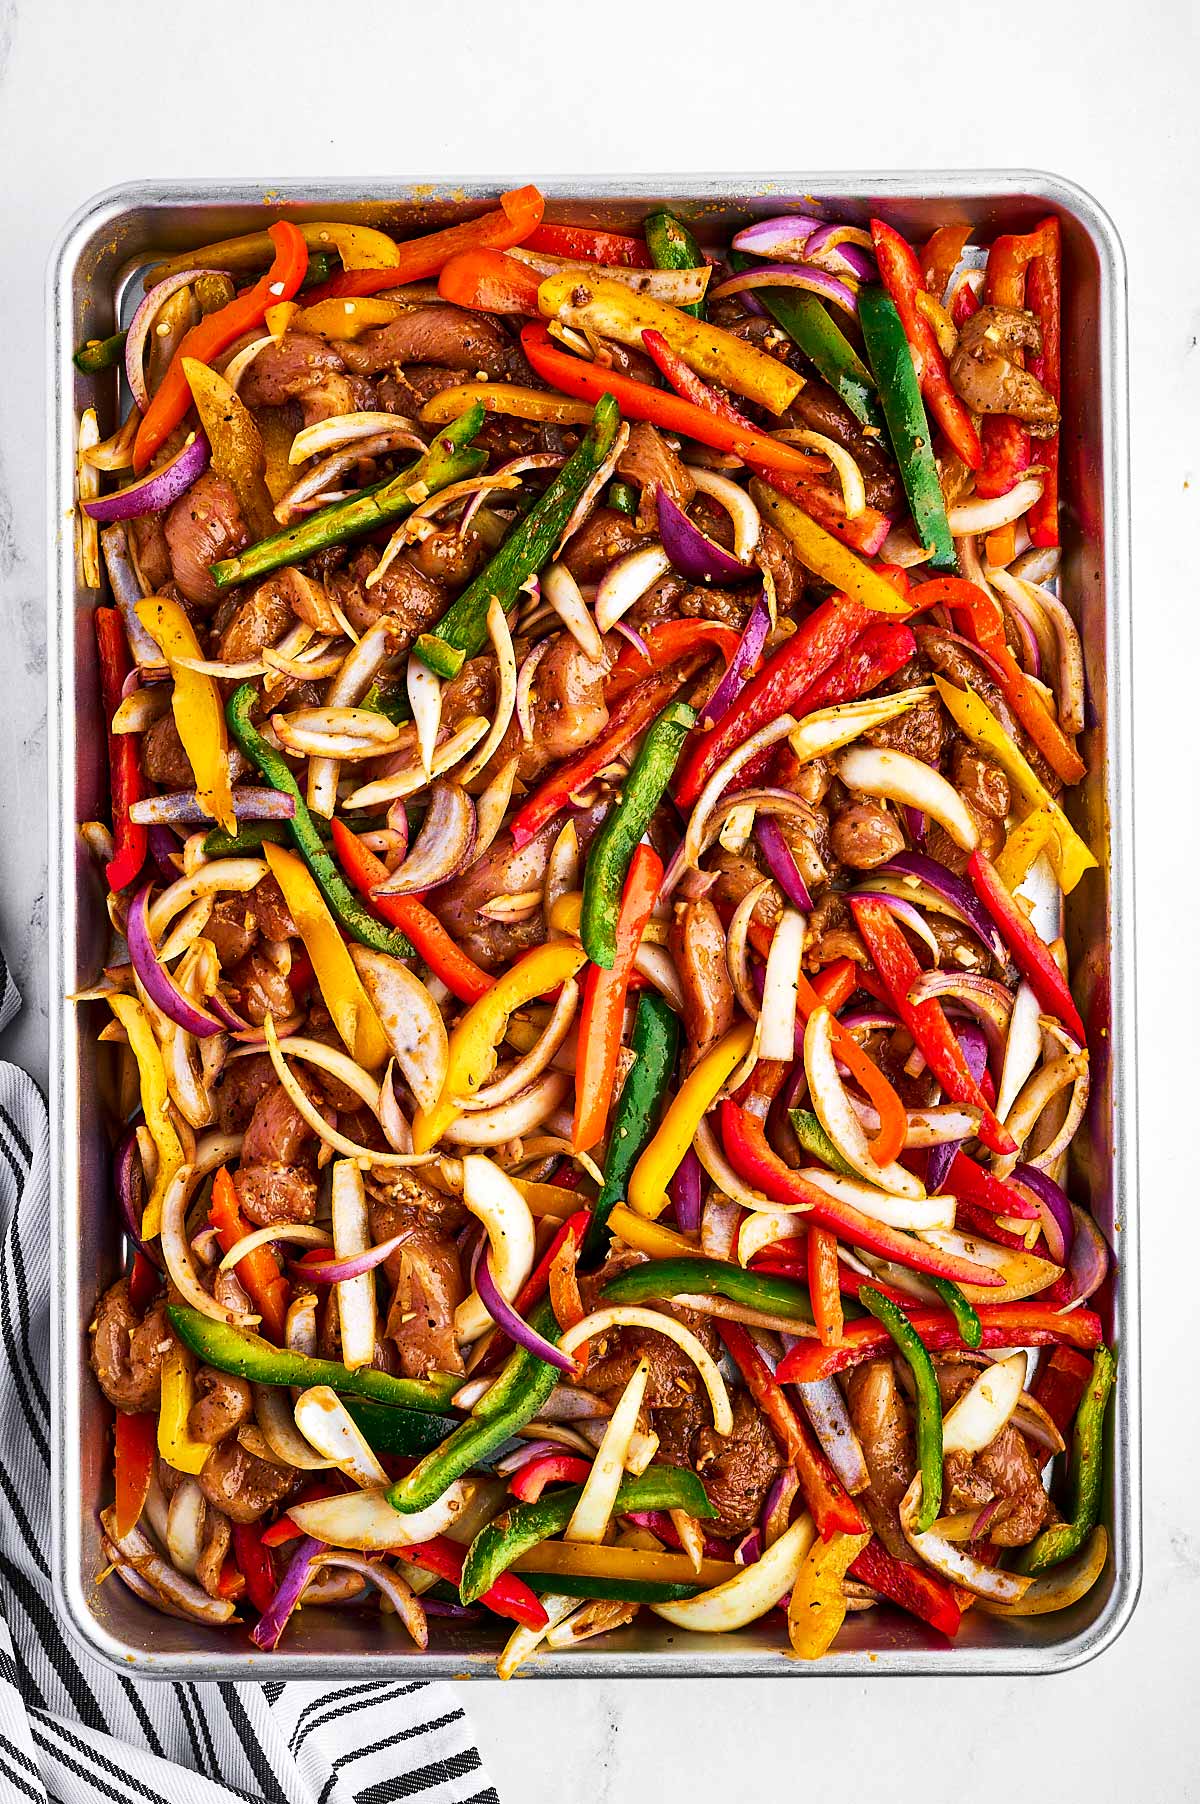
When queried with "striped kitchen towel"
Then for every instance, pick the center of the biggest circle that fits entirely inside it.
(72, 1729)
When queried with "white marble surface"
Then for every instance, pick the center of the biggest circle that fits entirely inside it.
(1104, 93)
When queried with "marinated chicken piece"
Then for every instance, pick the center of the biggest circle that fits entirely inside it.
(204, 525)
(728, 607)
(164, 760)
(262, 989)
(986, 371)
(978, 781)
(1005, 1469)
(821, 410)
(660, 602)
(232, 927)
(277, 1129)
(568, 709)
(425, 1272)
(335, 395)
(449, 337)
(604, 536)
(881, 1423)
(673, 1383)
(148, 543)
(697, 942)
(262, 618)
(412, 600)
(299, 361)
(737, 875)
(649, 462)
(127, 1350)
(958, 947)
(276, 1180)
(243, 1486)
(244, 1082)
(920, 733)
(449, 557)
(223, 1403)
(217, 1536)
(738, 1471)
(502, 871)
(271, 1192)
(864, 835)
(786, 571)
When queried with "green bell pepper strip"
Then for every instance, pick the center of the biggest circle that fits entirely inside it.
(513, 1533)
(969, 1325)
(514, 1399)
(613, 846)
(349, 909)
(624, 497)
(462, 629)
(673, 246)
(710, 1278)
(248, 838)
(99, 354)
(627, 1591)
(249, 1356)
(816, 1142)
(655, 1046)
(447, 460)
(817, 335)
(929, 1400)
(1087, 1461)
(907, 422)
(399, 1431)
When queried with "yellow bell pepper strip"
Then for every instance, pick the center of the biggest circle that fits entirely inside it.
(617, 312)
(1023, 847)
(817, 1607)
(649, 1236)
(1069, 854)
(474, 1040)
(196, 705)
(506, 398)
(632, 1565)
(826, 556)
(176, 1396)
(698, 1091)
(153, 1085)
(235, 443)
(348, 319)
(345, 998)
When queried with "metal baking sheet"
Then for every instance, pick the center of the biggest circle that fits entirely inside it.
(117, 234)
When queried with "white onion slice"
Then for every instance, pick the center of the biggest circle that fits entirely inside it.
(591, 1515)
(185, 1526)
(425, 699)
(177, 1254)
(408, 781)
(878, 772)
(326, 1424)
(953, 1562)
(494, 1199)
(352, 1237)
(626, 581)
(854, 494)
(566, 598)
(755, 1590)
(988, 515)
(627, 1316)
(240, 874)
(979, 1415)
(303, 1234)
(411, 1021)
(366, 1520)
(777, 1021)
(346, 429)
(507, 1120)
(923, 1213)
(278, 1427)
(747, 521)
(838, 1118)
(830, 728)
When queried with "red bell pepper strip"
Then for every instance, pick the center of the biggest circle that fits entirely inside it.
(1033, 957)
(939, 259)
(627, 722)
(1059, 1386)
(530, 1480)
(833, 1509)
(534, 1287)
(603, 1009)
(779, 688)
(864, 534)
(585, 244)
(135, 1461)
(1043, 296)
(216, 332)
(1031, 1324)
(145, 1280)
(639, 401)
(230, 1583)
(970, 1218)
(254, 1563)
(126, 782)
(981, 614)
(974, 1183)
(490, 282)
(666, 643)
(823, 1287)
(1006, 445)
(510, 1596)
(258, 1270)
(460, 974)
(896, 964)
(964, 303)
(686, 382)
(901, 276)
(913, 1588)
(284, 1529)
(752, 1158)
(419, 258)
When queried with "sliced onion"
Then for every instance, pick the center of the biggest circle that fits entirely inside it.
(687, 1188)
(755, 1590)
(923, 1215)
(656, 965)
(347, 428)
(854, 494)
(784, 237)
(269, 1628)
(443, 846)
(177, 1254)
(1022, 1274)
(989, 1002)
(747, 521)
(777, 1020)
(826, 1409)
(749, 650)
(366, 1520)
(735, 947)
(1090, 1257)
(355, 1293)
(278, 1428)
(534, 1062)
(566, 598)
(335, 1270)
(626, 581)
(877, 771)
(596, 483)
(158, 983)
(1058, 1223)
(316, 1121)
(720, 780)
(1062, 1586)
(115, 453)
(156, 489)
(837, 1117)
(411, 1021)
(514, 1325)
(238, 874)
(327, 1425)
(506, 671)
(980, 515)
(411, 1610)
(407, 780)
(692, 552)
(1071, 682)
(632, 1317)
(491, 805)
(808, 276)
(593, 1512)
(919, 868)
(507, 1120)
(955, 1563)
(188, 1598)
(904, 912)
(1072, 1068)
(425, 699)
(980, 1414)
(182, 807)
(299, 1233)
(494, 1199)
(525, 678)
(140, 326)
(781, 863)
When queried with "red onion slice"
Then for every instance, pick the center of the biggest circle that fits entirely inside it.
(807, 276)
(780, 862)
(1058, 1222)
(687, 1193)
(336, 1271)
(785, 236)
(270, 1626)
(515, 1326)
(692, 552)
(157, 489)
(747, 654)
(953, 890)
(139, 330)
(826, 1409)
(129, 1180)
(158, 984)
(182, 808)
(973, 1041)
(1090, 1257)
(441, 848)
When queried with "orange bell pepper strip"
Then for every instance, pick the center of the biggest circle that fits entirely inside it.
(490, 282)
(984, 619)
(259, 1271)
(639, 401)
(1043, 297)
(216, 332)
(833, 1509)
(586, 244)
(520, 211)
(901, 276)
(604, 1002)
(666, 643)
(460, 974)
(940, 257)
(135, 1459)
(824, 1287)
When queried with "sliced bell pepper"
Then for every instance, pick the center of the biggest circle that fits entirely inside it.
(534, 1287)
(588, 244)
(1006, 444)
(974, 1183)
(417, 259)
(506, 398)
(604, 990)
(752, 1158)
(156, 1108)
(135, 1456)
(888, 1143)
(832, 1508)
(1032, 956)
(530, 544)
(640, 401)
(817, 336)
(1023, 847)
(530, 1480)
(196, 705)
(1063, 1539)
(1030, 1324)
(1060, 1384)
(666, 643)
(254, 1563)
(691, 387)
(779, 688)
(507, 1596)
(901, 276)
(460, 974)
(145, 1280)
(655, 1048)
(817, 1607)
(650, 1237)
(940, 258)
(699, 1089)
(672, 245)
(1043, 297)
(893, 362)
(490, 282)
(637, 1574)
(348, 1003)
(177, 1393)
(215, 333)
(126, 782)
(258, 1271)
(896, 964)
(929, 1400)
(912, 1587)
(981, 614)
(824, 505)
(613, 847)
(823, 1285)
(702, 1276)
(971, 714)
(825, 555)
(476, 1036)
